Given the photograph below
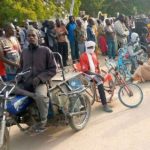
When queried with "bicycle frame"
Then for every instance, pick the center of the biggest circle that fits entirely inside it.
(121, 82)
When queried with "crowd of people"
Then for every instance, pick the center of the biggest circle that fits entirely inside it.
(31, 46)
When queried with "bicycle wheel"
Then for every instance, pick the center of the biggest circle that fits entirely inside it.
(79, 111)
(130, 95)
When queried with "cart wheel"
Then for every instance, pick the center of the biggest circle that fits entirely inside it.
(79, 112)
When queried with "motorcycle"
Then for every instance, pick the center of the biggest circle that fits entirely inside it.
(68, 104)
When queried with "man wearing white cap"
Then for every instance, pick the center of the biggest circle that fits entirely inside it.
(90, 65)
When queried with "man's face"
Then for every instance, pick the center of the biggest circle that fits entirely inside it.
(72, 19)
(35, 25)
(79, 23)
(122, 19)
(90, 49)
(32, 37)
(11, 30)
(26, 25)
(58, 23)
(108, 22)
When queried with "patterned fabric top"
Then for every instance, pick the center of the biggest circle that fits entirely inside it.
(11, 50)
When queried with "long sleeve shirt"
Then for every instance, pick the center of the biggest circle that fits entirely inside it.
(41, 61)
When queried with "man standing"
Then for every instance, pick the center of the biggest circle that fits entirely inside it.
(43, 67)
(26, 27)
(110, 37)
(90, 31)
(121, 31)
(71, 26)
(10, 51)
(80, 34)
(61, 32)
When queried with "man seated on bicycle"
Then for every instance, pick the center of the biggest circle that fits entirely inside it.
(134, 50)
(90, 65)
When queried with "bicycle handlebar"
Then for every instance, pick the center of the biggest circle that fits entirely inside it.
(93, 73)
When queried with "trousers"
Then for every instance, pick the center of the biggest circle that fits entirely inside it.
(101, 90)
(40, 97)
(42, 101)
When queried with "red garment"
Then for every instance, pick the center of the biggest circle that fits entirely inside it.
(2, 69)
(85, 66)
(103, 44)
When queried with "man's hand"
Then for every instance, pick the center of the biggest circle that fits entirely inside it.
(102, 78)
(140, 52)
(16, 65)
(36, 82)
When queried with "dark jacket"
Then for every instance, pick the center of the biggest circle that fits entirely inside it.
(41, 61)
(90, 34)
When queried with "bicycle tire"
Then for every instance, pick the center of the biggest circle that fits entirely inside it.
(133, 92)
(76, 122)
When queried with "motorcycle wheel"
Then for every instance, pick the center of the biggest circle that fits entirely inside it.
(80, 110)
(5, 146)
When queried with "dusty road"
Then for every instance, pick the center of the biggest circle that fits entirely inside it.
(124, 129)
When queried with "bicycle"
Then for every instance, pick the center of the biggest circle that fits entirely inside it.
(92, 90)
(127, 64)
(129, 94)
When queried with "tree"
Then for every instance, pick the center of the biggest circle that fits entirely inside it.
(91, 7)
(111, 7)
(21, 10)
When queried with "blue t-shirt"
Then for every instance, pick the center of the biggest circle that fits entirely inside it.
(71, 35)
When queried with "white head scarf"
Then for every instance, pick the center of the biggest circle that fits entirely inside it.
(134, 37)
(89, 51)
(90, 44)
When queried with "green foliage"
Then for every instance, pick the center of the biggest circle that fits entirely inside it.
(21, 10)
(91, 7)
(111, 7)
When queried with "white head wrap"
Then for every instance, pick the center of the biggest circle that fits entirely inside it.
(90, 44)
(134, 37)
